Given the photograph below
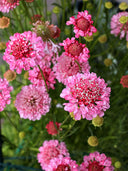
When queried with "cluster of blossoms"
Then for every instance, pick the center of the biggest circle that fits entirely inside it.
(54, 156)
(7, 5)
(119, 24)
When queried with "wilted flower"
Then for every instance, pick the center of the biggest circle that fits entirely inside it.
(4, 22)
(10, 75)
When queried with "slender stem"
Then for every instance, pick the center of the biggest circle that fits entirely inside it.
(11, 121)
(100, 3)
(15, 13)
(26, 9)
(65, 120)
(45, 9)
(43, 78)
(1, 142)
(78, 65)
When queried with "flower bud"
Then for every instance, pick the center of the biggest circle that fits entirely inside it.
(93, 141)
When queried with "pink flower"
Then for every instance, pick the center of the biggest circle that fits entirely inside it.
(62, 164)
(24, 51)
(5, 90)
(50, 150)
(7, 5)
(124, 81)
(96, 162)
(32, 102)
(66, 67)
(76, 50)
(88, 96)
(51, 129)
(118, 28)
(82, 24)
(36, 78)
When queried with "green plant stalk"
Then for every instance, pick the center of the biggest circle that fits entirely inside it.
(26, 9)
(100, 3)
(43, 78)
(45, 9)
(78, 65)
(15, 13)
(63, 15)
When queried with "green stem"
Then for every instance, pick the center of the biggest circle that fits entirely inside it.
(78, 65)
(15, 13)
(45, 9)
(100, 3)
(26, 9)
(11, 121)
(43, 78)
(65, 120)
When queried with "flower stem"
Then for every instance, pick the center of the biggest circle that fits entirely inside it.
(100, 3)
(26, 9)
(78, 65)
(43, 78)
(15, 13)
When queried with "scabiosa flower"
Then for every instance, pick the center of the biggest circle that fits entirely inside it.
(5, 90)
(76, 50)
(36, 78)
(51, 129)
(32, 102)
(124, 81)
(24, 51)
(7, 5)
(50, 150)
(66, 67)
(119, 26)
(63, 164)
(96, 162)
(87, 94)
(82, 24)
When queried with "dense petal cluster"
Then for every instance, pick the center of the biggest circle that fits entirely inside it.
(63, 164)
(87, 94)
(66, 67)
(82, 24)
(96, 162)
(7, 5)
(53, 128)
(50, 150)
(24, 51)
(36, 78)
(124, 81)
(32, 102)
(118, 26)
(5, 90)
(76, 50)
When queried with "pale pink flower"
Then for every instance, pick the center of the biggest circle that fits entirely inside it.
(5, 90)
(36, 78)
(118, 28)
(62, 164)
(7, 5)
(50, 150)
(87, 94)
(76, 50)
(32, 102)
(24, 50)
(82, 24)
(97, 162)
(51, 129)
(66, 67)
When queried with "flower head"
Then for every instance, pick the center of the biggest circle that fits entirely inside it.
(7, 5)
(66, 67)
(108, 5)
(51, 129)
(76, 50)
(5, 90)
(87, 94)
(98, 121)
(96, 162)
(10, 75)
(123, 6)
(93, 141)
(82, 24)
(50, 150)
(124, 81)
(118, 26)
(63, 164)
(32, 102)
(4, 22)
(24, 51)
(36, 78)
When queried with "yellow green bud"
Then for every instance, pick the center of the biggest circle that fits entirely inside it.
(123, 6)
(56, 10)
(98, 121)
(93, 141)
(107, 62)
(102, 38)
(117, 164)
(108, 5)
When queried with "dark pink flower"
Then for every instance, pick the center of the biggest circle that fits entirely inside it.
(52, 129)
(7, 5)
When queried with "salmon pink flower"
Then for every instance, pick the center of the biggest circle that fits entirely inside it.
(76, 50)
(96, 162)
(5, 90)
(7, 5)
(82, 24)
(87, 94)
(50, 150)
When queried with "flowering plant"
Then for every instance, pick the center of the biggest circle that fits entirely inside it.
(62, 104)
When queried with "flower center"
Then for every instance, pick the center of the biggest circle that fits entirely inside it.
(63, 167)
(94, 166)
(82, 23)
(86, 91)
(21, 48)
(75, 49)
